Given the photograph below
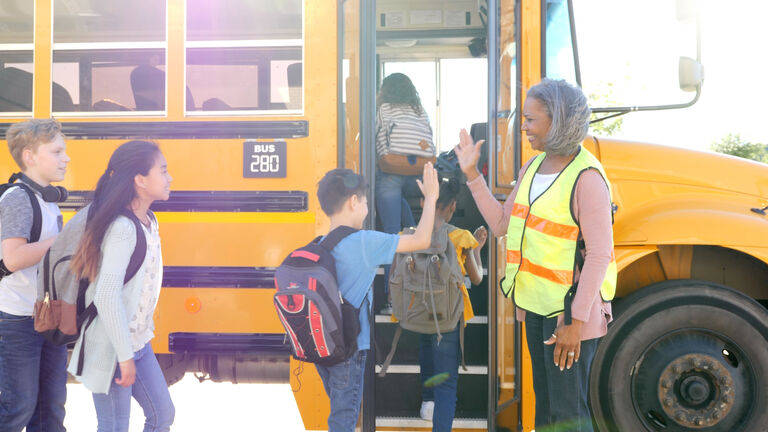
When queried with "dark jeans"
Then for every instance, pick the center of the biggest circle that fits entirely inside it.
(561, 396)
(439, 359)
(33, 378)
(343, 383)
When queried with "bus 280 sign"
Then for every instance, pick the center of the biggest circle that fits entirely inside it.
(264, 159)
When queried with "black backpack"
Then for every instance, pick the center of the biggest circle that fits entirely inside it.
(321, 326)
(37, 217)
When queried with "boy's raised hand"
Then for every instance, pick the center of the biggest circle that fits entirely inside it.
(429, 186)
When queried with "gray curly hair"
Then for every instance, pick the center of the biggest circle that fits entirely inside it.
(569, 111)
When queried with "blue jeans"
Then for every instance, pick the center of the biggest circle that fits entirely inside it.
(561, 396)
(113, 410)
(394, 212)
(343, 383)
(437, 359)
(33, 378)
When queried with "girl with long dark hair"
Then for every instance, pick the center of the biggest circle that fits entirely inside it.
(118, 360)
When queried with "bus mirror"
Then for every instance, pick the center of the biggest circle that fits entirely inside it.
(691, 74)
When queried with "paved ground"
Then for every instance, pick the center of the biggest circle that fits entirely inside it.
(204, 406)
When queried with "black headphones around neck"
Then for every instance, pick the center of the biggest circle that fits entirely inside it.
(54, 194)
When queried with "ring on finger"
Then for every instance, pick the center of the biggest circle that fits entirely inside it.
(554, 336)
(571, 353)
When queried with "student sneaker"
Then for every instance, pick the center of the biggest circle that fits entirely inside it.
(427, 409)
(387, 309)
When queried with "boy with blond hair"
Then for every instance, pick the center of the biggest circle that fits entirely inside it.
(342, 196)
(33, 374)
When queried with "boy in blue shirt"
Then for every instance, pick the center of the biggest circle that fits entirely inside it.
(342, 196)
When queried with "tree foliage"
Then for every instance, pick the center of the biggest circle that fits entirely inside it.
(735, 145)
(604, 98)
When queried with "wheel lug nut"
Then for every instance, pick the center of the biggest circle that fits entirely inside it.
(668, 402)
(679, 416)
(715, 414)
(696, 363)
(727, 399)
(676, 369)
(664, 384)
(698, 421)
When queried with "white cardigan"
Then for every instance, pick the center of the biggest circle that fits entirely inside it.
(108, 338)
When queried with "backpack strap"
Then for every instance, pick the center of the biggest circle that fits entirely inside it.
(140, 251)
(461, 342)
(334, 237)
(388, 361)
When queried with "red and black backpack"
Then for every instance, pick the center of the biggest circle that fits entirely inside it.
(320, 324)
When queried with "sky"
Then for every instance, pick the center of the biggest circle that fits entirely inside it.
(638, 55)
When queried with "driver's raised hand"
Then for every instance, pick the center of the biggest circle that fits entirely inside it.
(468, 153)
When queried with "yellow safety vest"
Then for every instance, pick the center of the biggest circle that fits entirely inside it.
(542, 242)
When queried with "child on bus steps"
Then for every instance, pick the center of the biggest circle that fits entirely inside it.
(119, 361)
(439, 362)
(33, 375)
(342, 196)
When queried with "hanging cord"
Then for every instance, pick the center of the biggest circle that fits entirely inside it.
(296, 372)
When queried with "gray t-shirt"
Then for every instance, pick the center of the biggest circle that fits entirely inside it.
(16, 215)
(18, 291)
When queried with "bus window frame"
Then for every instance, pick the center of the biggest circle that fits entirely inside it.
(22, 47)
(574, 44)
(125, 45)
(248, 43)
(116, 47)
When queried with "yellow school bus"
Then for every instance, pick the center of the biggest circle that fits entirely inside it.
(253, 101)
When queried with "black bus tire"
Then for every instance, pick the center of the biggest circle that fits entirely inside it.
(684, 355)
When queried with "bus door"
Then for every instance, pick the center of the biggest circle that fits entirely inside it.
(440, 46)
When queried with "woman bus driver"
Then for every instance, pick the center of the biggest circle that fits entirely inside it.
(561, 197)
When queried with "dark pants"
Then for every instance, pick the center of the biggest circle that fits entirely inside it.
(436, 359)
(33, 378)
(561, 396)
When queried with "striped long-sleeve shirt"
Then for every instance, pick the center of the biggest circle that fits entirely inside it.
(401, 130)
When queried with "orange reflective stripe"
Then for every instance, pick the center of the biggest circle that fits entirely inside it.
(563, 277)
(553, 229)
(513, 257)
(520, 210)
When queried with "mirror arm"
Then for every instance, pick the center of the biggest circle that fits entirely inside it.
(624, 110)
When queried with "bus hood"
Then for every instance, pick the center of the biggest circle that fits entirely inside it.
(634, 161)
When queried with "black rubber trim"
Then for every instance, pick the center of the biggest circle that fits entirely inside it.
(213, 201)
(222, 343)
(218, 277)
(185, 129)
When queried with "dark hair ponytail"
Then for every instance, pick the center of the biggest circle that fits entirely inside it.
(114, 193)
(449, 191)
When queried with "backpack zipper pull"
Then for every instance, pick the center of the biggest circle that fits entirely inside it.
(46, 300)
(341, 298)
